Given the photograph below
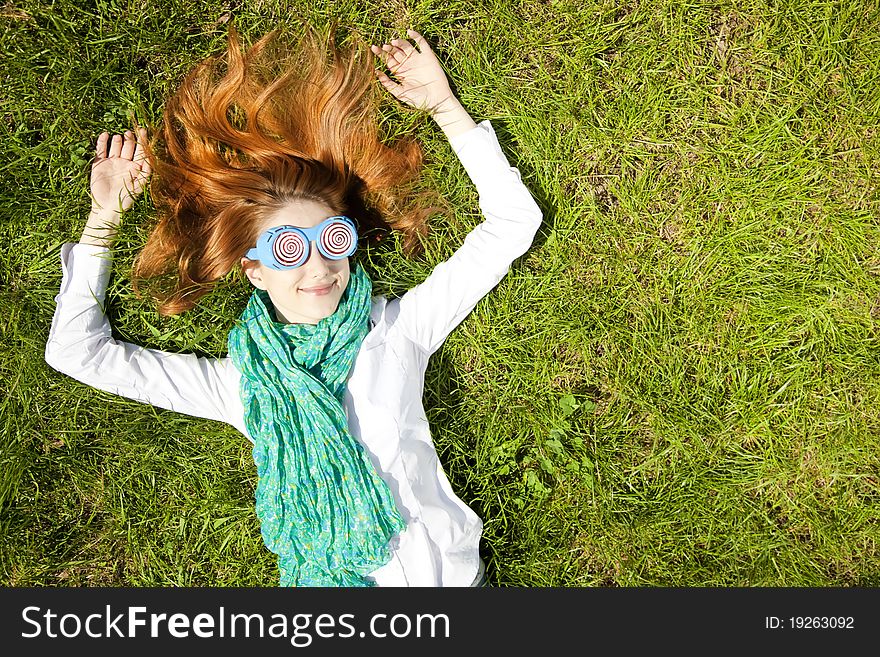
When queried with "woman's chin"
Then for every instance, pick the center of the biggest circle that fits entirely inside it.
(322, 310)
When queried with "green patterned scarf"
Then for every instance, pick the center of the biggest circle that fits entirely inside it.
(323, 509)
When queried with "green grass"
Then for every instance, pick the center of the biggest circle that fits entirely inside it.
(677, 385)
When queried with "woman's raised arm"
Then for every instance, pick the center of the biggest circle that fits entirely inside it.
(433, 308)
(80, 343)
(430, 310)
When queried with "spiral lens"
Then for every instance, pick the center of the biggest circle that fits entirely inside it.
(289, 248)
(338, 240)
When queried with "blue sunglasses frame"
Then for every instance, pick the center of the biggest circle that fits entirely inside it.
(263, 251)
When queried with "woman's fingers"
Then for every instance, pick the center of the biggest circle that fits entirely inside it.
(387, 59)
(128, 145)
(403, 45)
(419, 39)
(139, 149)
(140, 153)
(387, 82)
(391, 56)
(381, 54)
(101, 147)
(398, 51)
(115, 146)
(395, 53)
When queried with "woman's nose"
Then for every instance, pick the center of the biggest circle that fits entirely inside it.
(316, 261)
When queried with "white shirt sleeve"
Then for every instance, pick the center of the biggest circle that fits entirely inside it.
(430, 310)
(80, 345)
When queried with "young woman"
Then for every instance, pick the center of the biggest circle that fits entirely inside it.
(280, 175)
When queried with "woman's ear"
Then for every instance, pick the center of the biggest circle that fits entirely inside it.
(254, 272)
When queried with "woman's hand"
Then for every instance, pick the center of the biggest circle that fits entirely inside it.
(422, 84)
(119, 174)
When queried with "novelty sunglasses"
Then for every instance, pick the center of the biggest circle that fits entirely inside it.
(288, 247)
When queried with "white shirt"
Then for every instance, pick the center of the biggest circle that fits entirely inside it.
(383, 400)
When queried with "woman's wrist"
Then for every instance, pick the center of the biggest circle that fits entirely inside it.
(100, 228)
(452, 117)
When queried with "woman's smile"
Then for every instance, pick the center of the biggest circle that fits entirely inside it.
(318, 291)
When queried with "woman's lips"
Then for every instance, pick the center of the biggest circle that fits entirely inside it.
(318, 291)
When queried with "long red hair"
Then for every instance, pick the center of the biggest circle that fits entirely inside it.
(280, 124)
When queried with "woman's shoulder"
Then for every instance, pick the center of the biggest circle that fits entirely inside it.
(378, 306)
(384, 326)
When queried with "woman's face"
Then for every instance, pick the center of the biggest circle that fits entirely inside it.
(310, 292)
